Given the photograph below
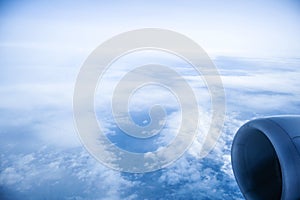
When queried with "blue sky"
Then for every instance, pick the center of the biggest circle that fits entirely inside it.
(250, 29)
(254, 44)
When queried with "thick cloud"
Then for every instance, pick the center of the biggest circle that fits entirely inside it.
(42, 156)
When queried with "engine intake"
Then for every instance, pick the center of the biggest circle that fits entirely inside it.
(265, 158)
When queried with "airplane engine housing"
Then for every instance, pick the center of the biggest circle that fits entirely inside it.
(265, 158)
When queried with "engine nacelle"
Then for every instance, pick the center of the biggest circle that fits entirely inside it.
(265, 158)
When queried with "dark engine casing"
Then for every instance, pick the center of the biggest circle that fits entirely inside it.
(265, 158)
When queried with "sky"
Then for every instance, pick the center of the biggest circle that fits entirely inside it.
(248, 29)
(255, 46)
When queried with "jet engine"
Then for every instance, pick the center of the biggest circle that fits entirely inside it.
(265, 158)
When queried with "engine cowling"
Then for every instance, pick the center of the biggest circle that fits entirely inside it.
(265, 158)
